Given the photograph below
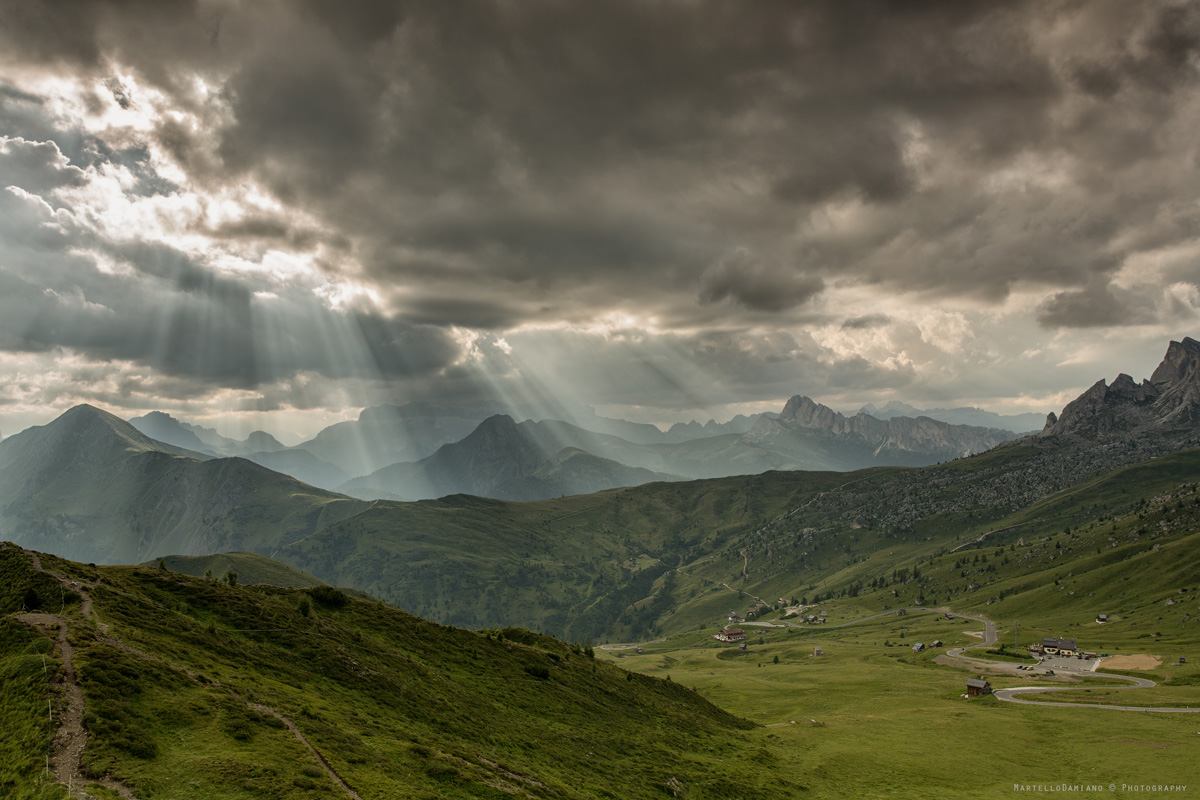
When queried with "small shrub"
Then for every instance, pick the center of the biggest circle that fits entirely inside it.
(329, 596)
(31, 600)
(538, 671)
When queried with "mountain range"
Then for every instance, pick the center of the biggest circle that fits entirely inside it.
(963, 415)
(528, 461)
(92, 486)
(619, 562)
(531, 460)
(260, 447)
(504, 460)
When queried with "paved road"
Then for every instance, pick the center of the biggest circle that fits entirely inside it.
(1010, 696)
(1014, 695)
(989, 627)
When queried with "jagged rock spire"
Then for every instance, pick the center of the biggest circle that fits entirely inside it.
(1171, 397)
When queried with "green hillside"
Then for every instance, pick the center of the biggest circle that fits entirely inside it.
(91, 487)
(618, 565)
(250, 569)
(199, 689)
(633, 563)
(578, 567)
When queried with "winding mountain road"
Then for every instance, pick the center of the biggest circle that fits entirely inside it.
(1016, 693)
(1011, 696)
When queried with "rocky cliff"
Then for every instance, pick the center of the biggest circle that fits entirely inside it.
(1167, 403)
(888, 440)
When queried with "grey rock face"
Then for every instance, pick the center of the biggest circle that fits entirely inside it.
(1168, 401)
(897, 435)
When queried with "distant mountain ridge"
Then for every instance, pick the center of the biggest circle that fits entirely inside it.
(260, 447)
(686, 431)
(91, 486)
(504, 460)
(863, 440)
(165, 428)
(963, 415)
(507, 460)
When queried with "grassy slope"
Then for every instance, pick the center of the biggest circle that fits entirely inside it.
(632, 563)
(24, 687)
(569, 566)
(399, 706)
(790, 559)
(627, 563)
(251, 568)
(25, 681)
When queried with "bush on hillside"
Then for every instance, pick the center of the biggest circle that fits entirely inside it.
(328, 596)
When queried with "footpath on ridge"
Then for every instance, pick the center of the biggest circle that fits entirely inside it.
(70, 738)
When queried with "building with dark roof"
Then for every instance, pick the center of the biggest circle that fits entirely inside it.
(1059, 647)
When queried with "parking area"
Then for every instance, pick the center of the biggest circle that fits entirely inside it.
(1067, 664)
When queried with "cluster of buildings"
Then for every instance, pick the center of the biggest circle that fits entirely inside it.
(1051, 646)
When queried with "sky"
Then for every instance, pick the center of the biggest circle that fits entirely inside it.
(272, 214)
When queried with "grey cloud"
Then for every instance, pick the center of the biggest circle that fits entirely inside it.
(214, 333)
(850, 155)
(464, 312)
(866, 322)
(500, 143)
(745, 280)
(551, 161)
(1096, 306)
(36, 167)
(177, 316)
(378, 125)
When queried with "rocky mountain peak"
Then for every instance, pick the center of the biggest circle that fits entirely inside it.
(1171, 397)
(1178, 364)
(261, 441)
(805, 412)
(898, 439)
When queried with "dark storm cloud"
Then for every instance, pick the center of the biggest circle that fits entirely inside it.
(746, 281)
(866, 322)
(708, 165)
(505, 141)
(1089, 308)
(1106, 306)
